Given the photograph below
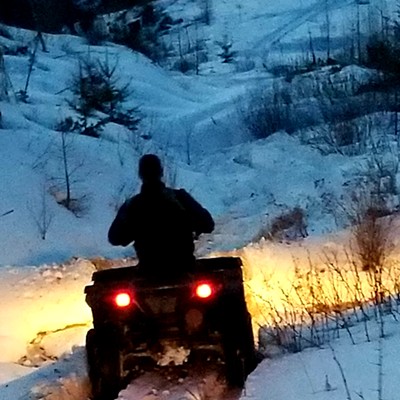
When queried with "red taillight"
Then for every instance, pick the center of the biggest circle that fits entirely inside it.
(123, 299)
(204, 290)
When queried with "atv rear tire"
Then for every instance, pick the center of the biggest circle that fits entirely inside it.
(104, 367)
(238, 347)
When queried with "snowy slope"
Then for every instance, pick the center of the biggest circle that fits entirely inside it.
(194, 124)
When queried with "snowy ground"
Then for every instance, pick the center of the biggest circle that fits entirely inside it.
(193, 123)
(368, 367)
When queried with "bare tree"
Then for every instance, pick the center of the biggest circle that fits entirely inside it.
(359, 33)
(70, 165)
(67, 170)
(197, 49)
(206, 8)
(328, 30)
(23, 94)
(311, 46)
(4, 79)
(41, 213)
(396, 114)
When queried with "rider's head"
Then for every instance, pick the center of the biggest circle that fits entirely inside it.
(150, 168)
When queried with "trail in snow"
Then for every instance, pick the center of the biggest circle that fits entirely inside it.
(297, 19)
(187, 382)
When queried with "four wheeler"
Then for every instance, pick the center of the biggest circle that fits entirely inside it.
(137, 319)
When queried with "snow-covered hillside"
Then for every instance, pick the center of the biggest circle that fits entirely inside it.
(194, 122)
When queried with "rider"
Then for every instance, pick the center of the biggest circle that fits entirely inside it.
(162, 222)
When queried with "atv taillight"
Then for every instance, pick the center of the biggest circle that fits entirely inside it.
(123, 299)
(204, 290)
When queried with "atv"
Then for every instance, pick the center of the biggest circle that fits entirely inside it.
(138, 319)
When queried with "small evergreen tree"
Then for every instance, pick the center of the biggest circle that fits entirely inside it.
(97, 90)
(227, 54)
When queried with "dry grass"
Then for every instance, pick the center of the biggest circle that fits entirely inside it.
(288, 226)
(309, 299)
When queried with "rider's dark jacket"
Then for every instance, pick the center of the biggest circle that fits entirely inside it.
(162, 223)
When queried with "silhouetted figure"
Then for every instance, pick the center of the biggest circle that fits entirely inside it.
(162, 222)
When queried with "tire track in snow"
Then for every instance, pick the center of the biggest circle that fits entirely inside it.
(297, 19)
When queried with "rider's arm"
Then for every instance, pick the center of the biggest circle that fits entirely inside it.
(121, 231)
(202, 220)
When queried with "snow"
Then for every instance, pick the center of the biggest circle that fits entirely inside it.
(314, 373)
(193, 123)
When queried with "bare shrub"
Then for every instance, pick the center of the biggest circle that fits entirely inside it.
(144, 33)
(244, 65)
(290, 225)
(78, 206)
(264, 112)
(371, 244)
(331, 95)
(344, 138)
(322, 301)
(355, 284)
(372, 241)
(342, 98)
(304, 102)
(297, 67)
(382, 168)
(371, 236)
(184, 65)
